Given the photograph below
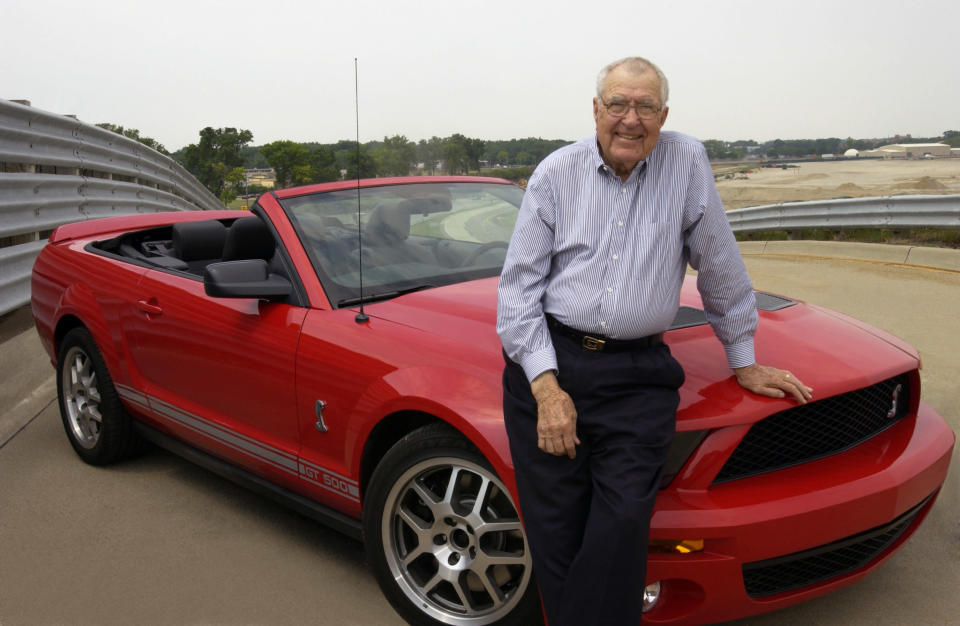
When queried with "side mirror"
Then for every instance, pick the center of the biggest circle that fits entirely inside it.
(248, 278)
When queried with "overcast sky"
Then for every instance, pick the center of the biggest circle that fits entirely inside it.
(283, 69)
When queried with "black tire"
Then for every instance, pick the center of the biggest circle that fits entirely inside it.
(456, 567)
(98, 427)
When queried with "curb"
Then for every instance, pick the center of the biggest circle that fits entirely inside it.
(942, 259)
(20, 416)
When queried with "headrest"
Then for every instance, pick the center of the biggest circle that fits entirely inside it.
(389, 224)
(193, 241)
(249, 238)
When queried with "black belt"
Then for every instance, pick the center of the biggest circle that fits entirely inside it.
(599, 343)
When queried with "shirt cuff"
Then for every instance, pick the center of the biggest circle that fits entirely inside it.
(536, 363)
(740, 354)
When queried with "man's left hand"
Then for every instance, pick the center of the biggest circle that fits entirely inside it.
(770, 381)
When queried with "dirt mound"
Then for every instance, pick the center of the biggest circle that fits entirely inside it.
(850, 188)
(925, 183)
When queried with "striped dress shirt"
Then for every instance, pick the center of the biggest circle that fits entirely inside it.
(608, 257)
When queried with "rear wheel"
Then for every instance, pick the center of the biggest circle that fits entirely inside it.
(444, 537)
(98, 427)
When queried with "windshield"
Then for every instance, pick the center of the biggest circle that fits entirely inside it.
(414, 236)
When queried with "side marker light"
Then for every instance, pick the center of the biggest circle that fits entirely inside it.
(673, 546)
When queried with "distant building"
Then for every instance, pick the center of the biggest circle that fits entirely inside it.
(265, 177)
(851, 153)
(909, 151)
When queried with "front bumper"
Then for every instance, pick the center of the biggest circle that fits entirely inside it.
(791, 535)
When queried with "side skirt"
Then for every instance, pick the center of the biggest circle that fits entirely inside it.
(305, 506)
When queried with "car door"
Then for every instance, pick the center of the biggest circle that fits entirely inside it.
(219, 372)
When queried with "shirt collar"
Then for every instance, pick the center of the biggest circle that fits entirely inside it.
(601, 166)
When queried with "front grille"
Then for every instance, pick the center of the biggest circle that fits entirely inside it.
(766, 578)
(818, 429)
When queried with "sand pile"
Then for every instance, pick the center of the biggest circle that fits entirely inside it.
(924, 183)
(850, 188)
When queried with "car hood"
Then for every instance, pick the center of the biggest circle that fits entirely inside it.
(827, 351)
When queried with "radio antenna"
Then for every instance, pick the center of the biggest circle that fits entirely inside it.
(361, 316)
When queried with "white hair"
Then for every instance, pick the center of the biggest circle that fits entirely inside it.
(637, 65)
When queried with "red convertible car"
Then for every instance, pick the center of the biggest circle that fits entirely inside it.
(335, 349)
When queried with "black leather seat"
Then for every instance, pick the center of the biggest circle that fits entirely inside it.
(249, 238)
(198, 243)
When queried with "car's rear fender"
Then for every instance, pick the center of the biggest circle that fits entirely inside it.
(64, 298)
(78, 307)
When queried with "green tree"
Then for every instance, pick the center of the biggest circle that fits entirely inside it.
(133, 133)
(299, 164)
(323, 162)
(455, 157)
(216, 155)
(474, 150)
(395, 156)
(368, 165)
(429, 152)
(533, 149)
(235, 183)
(284, 157)
(253, 158)
(301, 175)
(345, 153)
(470, 154)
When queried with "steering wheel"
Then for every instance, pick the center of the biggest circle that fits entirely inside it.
(475, 254)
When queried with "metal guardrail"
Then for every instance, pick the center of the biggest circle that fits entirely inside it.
(55, 169)
(878, 212)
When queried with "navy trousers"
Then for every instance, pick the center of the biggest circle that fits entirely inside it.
(588, 519)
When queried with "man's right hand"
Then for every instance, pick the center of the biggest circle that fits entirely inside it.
(556, 416)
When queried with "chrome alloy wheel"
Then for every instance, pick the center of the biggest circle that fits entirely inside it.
(454, 542)
(81, 398)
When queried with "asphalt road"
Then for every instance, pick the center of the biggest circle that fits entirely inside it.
(159, 541)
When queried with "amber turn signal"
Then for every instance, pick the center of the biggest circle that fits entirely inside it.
(671, 546)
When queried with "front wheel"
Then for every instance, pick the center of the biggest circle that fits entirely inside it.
(444, 537)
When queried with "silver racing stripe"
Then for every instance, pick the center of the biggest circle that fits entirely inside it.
(278, 458)
(309, 472)
(132, 396)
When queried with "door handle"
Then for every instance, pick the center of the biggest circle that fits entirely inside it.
(148, 307)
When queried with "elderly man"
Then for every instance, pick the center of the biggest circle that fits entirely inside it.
(591, 280)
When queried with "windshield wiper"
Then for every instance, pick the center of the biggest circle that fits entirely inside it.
(383, 295)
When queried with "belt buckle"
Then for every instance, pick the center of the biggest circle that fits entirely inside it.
(592, 343)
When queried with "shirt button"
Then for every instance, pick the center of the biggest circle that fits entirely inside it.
(614, 257)
(623, 190)
(603, 324)
(620, 223)
(609, 289)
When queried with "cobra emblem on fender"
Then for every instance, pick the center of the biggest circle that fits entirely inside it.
(893, 405)
(322, 426)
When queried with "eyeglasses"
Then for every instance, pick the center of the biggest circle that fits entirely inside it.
(620, 109)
